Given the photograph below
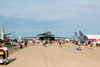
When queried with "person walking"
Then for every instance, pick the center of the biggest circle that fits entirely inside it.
(93, 45)
(79, 46)
(26, 43)
(34, 42)
(60, 43)
(20, 45)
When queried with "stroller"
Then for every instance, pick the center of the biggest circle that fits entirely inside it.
(2, 57)
(79, 48)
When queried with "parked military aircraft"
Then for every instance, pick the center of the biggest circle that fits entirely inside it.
(44, 36)
(87, 38)
(3, 35)
(81, 37)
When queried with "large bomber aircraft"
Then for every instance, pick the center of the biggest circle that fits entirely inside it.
(47, 36)
(44, 36)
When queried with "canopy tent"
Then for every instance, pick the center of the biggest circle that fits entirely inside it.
(93, 37)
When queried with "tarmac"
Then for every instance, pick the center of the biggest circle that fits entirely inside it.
(55, 56)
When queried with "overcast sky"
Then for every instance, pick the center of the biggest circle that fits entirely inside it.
(61, 17)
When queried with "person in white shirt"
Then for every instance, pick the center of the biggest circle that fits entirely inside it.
(5, 49)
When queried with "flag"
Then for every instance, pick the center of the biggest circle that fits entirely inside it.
(13, 35)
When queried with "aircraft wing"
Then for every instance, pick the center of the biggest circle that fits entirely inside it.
(8, 34)
(60, 37)
(29, 37)
(41, 34)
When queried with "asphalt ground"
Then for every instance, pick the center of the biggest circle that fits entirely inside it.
(55, 56)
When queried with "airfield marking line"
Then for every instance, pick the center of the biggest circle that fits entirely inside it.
(44, 56)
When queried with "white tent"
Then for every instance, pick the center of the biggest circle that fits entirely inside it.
(93, 37)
